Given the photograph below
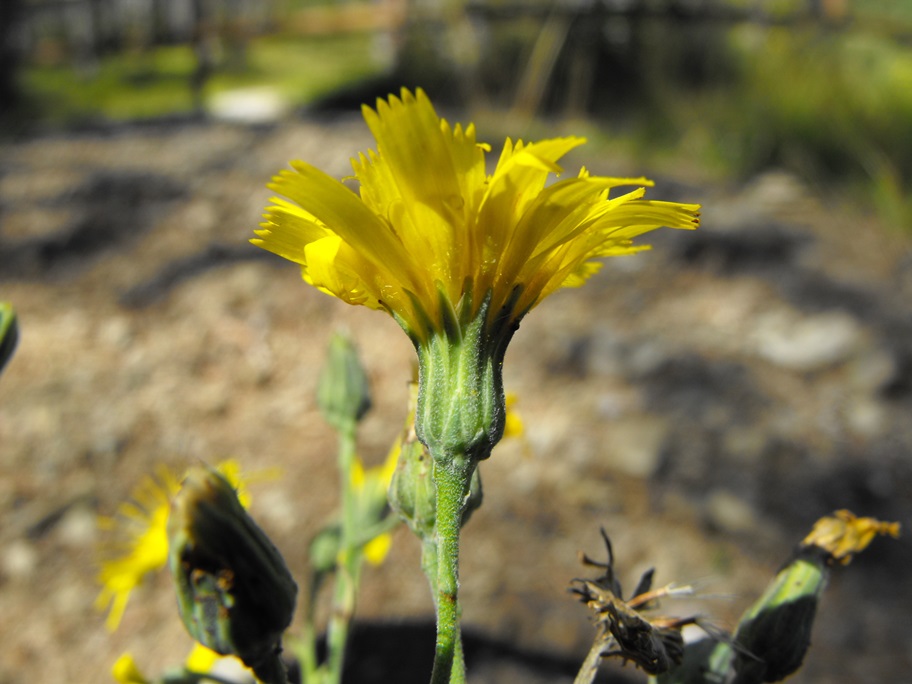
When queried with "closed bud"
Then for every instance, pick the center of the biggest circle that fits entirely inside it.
(324, 548)
(775, 633)
(343, 393)
(412, 491)
(235, 593)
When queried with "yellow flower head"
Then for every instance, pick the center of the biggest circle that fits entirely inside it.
(844, 534)
(126, 671)
(431, 226)
(142, 524)
(143, 549)
(200, 660)
(370, 485)
(455, 255)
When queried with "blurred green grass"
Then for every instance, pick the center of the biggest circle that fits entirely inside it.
(157, 82)
(834, 107)
(831, 102)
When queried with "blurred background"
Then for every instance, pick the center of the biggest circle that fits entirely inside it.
(704, 402)
(821, 87)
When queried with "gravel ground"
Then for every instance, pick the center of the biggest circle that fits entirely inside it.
(704, 402)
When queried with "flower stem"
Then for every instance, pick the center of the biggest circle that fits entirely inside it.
(349, 564)
(452, 485)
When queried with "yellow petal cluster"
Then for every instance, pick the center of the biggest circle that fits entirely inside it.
(370, 485)
(142, 525)
(126, 671)
(199, 660)
(431, 220)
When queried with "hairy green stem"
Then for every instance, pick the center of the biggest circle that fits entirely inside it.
(452, 484)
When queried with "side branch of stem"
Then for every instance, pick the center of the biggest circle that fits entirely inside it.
(349, 567)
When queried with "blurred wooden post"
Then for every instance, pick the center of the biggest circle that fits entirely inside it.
(202, 49)
(9, 54)
(540, 67)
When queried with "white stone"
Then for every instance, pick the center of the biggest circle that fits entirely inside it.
(248, 106)
(19, 559)
(808, 343)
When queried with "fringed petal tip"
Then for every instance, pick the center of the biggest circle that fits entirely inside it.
(427, 209)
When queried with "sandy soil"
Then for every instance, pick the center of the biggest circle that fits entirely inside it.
(704, 402)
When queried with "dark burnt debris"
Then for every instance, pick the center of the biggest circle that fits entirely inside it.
(654, 644)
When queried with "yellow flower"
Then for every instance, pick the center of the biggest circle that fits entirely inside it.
(125, 671)
(143, 522)
(513, 423)
(142, 525)
(455, 255)
(201, 659)
(370, 487)
(431, 226)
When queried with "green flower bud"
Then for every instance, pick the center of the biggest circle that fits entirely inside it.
(324, 548)
(343, 393)
(775, 633)
(412, 493)
(235, 593)
(9, 333)
(461, 410)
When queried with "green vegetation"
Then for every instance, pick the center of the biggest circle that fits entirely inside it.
(829, 99)
(158, 81)
(833, 106)
(303, 69)
(831, 103)
(124, 86)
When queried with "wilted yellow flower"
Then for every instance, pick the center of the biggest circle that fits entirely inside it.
(142, 524)
(844, 534)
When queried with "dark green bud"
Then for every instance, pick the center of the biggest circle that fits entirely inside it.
(235, 593)
(704, 661)
(775, 633)
(343, 393)
(9, 333)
